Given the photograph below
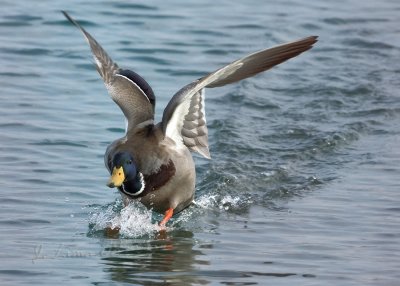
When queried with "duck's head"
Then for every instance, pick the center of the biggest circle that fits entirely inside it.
(123, 169)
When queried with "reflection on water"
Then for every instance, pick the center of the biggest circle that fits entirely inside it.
(170, 259)
(177, 258)
(142, 254)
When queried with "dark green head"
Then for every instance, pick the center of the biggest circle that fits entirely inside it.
(124, 174)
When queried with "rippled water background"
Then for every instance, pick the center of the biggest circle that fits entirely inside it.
(303, 187)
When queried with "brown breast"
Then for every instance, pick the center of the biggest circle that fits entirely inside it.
(156, 180)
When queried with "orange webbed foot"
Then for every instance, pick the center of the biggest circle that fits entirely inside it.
(168, 214)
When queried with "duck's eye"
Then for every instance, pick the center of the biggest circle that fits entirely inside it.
(129, 162)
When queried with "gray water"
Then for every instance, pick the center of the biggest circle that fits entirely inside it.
(303, 185)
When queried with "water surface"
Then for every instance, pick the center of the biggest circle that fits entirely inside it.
(303, 183)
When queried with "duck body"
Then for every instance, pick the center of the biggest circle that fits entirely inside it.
(168, 172)
(152, 163)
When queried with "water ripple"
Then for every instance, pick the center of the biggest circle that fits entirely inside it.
(364, 44)
(48, 142)
(19, 20)
(26, 51)
(134, 6)
(346, 21)
(305, 157)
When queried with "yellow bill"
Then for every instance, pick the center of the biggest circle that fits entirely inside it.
(117, 177)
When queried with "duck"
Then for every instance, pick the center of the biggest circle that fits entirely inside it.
(152, 163)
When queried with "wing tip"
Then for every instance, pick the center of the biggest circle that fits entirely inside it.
(203, 150)
(313, 39)
(69, 18)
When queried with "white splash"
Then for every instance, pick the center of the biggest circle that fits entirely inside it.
(228, 202)
(132, 221)
(135, 220)
(222, 202)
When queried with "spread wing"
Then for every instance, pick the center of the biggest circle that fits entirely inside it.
(129, 90)
(184, 118)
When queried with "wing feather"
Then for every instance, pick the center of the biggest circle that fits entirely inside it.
(188, 124)
(128, 90)
(257, 62)
(184, 117)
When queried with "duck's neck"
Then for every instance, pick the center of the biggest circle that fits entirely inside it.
(135, 186)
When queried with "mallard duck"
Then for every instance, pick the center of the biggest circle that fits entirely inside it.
(152, 163)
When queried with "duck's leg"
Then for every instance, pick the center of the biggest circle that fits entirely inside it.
(168, 214)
